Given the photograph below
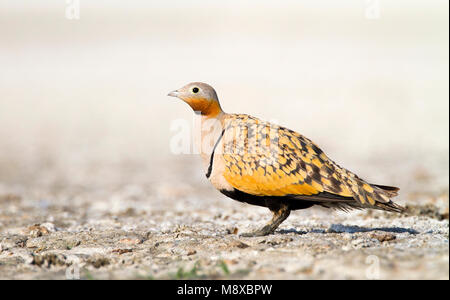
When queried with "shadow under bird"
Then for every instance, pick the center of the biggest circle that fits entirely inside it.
(264, 164)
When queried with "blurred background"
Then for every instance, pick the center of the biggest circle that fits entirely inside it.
(83, 100)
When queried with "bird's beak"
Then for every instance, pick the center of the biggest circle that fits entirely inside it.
(174, 94)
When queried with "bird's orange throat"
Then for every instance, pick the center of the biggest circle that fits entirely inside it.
(208, 108)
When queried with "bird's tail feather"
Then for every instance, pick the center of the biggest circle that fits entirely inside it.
(383, 195)
(390, 190)
(375, 195)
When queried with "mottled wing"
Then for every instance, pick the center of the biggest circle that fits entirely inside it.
(264, 159)
(268, 160)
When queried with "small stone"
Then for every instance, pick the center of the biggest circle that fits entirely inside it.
(50, 227)
(38, 230)
(72, 243)
(239, 244)
(131, 241)
(386, 237)
(122, 251)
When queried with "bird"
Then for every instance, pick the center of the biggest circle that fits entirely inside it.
(267, 165)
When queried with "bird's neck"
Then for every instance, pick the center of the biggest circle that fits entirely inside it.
(212, 119)
(212, 110)
(212, 125)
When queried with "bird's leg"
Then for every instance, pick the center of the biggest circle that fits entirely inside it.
(280, 213)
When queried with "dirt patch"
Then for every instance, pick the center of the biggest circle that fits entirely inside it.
(117, 231)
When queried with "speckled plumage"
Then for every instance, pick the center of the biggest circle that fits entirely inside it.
(264, 159)
(268, 165)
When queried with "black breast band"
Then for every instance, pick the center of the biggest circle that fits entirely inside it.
(211, 160)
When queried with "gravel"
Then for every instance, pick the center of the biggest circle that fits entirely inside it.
(148, 231)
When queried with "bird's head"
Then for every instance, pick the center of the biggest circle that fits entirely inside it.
(201, 97)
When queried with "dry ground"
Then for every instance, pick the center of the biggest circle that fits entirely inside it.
(128, 230)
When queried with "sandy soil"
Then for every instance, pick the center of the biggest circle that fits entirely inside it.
(157, 231)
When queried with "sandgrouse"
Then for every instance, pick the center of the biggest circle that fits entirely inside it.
(264, 164)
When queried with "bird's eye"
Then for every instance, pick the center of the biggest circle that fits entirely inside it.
(195, 90)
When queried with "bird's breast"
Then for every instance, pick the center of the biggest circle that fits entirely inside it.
(212, 139)
(216, 177)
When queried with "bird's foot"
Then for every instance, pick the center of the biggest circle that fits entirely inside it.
(279, 215)
(266, 230)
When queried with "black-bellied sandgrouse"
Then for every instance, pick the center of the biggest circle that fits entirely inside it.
(263, 164)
